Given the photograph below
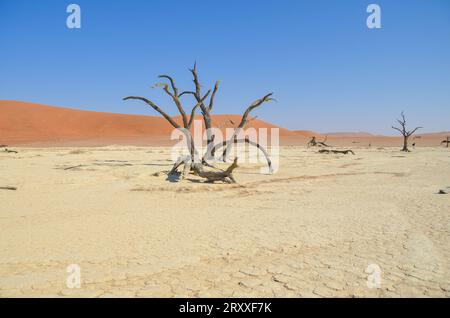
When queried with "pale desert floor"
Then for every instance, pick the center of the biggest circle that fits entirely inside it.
(312, 229)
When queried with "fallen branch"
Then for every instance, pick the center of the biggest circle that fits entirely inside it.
(344, 152)
(8, 188)
(10, 151)
(212, 176)
(73, 167)
(444, 191)
(197, 169)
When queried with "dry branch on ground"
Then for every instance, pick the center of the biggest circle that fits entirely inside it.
(8, 188)
(344, 152)
(7, 150)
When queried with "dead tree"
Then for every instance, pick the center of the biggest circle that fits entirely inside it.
(314, 143)
(404, 131)
(194, 162)
(446, 141)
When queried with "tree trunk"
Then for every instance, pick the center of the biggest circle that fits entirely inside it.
(405, 144)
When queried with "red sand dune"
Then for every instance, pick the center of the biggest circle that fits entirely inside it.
(29, 124)
(306, 133)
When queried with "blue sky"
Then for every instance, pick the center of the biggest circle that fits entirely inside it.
(328, 71)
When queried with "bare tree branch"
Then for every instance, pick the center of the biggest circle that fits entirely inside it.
(235, 141)
(172, 82)
(414, 130)
(211, 101)
(195, 108)
(186, 92)
(205, 110)
(254, 105)
(196, 81)
(401, 131)
(155, 107)
(244, 121)
(175, 98)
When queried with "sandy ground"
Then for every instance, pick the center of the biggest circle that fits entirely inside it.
(312, 229)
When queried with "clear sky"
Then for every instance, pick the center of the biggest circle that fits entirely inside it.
(328, 71)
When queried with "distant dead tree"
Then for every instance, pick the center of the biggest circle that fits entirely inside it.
(7, 150)
(446, 141)
(314, 143)
(194, 162)
(404, 131)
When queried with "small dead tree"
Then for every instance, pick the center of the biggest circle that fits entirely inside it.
(446, 141)
(404, 131)
(194, 162)
(314, 143)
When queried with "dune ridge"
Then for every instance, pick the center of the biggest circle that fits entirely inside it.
(23, 123)
(31, 124)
